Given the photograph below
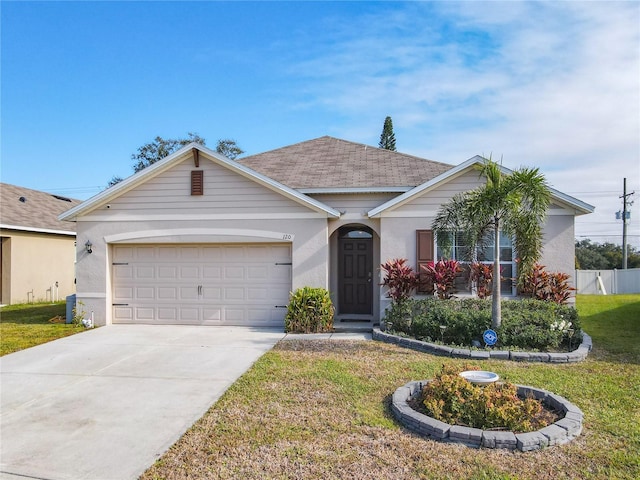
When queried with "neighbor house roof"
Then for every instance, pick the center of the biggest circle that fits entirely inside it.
(331, 164)
(32, 210)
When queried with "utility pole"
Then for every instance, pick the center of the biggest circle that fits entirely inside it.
(625, 216)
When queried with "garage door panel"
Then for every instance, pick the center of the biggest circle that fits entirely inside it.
(257, 253)
(145, 271)
(167, 293)
(145, 313)
(145, 253)
(145, 293)
(211, 272)
(280, 253)
(278, 296)
(189, 293)
(280, 274)
(234, 273)
(212, 314)
(212, 254)
(189, 272)
(122, 271)
(122, 254)
(234, 315)
(188, 315)
(168, 272)
(260, 272)
(234, 252)
(201, 284)
(258, 294)
(168, 253)
(234, 294)
(189, 253)
(123, 313)
(211, 293)
(122, 294)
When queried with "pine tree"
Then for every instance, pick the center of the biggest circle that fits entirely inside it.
(388, 138)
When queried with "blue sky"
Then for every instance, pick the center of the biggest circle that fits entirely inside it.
(554, 85)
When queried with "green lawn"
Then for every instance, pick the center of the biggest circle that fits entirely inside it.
(310, 410)
(613, 321)
(24, 326)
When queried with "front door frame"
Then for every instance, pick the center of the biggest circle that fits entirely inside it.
(363, 275)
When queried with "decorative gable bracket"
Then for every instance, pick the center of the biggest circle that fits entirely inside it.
(196, 157)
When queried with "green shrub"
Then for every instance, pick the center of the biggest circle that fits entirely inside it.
(452, 399)
(464, 320)
(539, 325)
(310, 310)
(527, 324)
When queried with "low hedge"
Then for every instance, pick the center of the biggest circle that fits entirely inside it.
(526, 324)
(310, 310)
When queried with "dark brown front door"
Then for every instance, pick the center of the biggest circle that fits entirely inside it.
(355, 275)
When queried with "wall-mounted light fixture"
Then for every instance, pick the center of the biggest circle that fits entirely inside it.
(88, 246)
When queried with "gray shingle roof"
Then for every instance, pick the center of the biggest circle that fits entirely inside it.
(39, 210)
(328, 162)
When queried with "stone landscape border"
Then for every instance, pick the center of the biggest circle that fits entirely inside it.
(577, 355)
(558, 433)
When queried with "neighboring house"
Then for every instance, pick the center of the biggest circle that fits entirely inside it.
(199, 239)
(37, 249)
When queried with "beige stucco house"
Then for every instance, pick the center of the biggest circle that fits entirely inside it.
(37, 249)
(200, 239)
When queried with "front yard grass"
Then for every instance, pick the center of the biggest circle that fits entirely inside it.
(320, 409)
(24, 326)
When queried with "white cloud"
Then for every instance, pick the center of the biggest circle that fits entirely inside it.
(554, 85)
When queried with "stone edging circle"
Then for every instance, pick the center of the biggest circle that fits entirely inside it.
(558, 433)
(577, 355)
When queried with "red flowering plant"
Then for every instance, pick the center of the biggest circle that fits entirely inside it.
(481, 274)
(549, 286)
(442, 274)
(399, 278)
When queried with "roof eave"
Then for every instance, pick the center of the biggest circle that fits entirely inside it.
(38, 230)
(580, 207)
(405, 197)
(140, 177)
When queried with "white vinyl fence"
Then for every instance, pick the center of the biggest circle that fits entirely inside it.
(606, 282)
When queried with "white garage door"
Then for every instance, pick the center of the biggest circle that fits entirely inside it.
(201, 284)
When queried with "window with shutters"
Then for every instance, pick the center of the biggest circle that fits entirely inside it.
(197, 182)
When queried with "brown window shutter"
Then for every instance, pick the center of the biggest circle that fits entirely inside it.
(197, 182)
(424, 255)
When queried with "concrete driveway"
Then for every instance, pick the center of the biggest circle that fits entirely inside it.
(106, 403)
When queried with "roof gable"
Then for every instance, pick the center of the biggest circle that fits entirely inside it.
(475, 162)
(32, 210)
(180, 156)
(330, 164)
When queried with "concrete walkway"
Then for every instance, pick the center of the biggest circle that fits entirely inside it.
(337, 336)
(106, 403)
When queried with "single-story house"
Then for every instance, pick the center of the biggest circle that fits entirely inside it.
(37, 250)
(197, 238)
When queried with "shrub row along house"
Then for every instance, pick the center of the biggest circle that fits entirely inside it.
(200, 239)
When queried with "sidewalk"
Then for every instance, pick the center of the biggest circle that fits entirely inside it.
(333, 336)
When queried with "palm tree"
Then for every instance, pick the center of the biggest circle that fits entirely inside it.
(513, 203)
